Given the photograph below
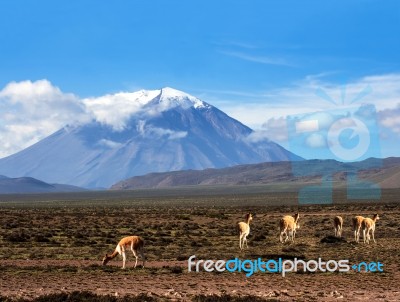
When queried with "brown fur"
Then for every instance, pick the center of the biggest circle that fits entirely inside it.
(244, 230)
(288, 223)
(357, 222)
(134, 243)
(338, 223)
(368, 225)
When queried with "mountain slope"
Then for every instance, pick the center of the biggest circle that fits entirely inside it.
(165, 130)
(31, 185)
(386, 175)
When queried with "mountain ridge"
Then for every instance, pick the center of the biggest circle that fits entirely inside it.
(387, 176)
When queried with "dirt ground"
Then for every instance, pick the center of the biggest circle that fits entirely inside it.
(18, 280)
(59, 249)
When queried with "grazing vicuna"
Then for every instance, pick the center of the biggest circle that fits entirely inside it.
(244, 230)
(368, 225)
(134, 243)
(338, 223)
(357, 222)
(288, 223)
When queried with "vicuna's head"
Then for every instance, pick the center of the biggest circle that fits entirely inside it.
(249, 217)
(296, 216)
(297, 225)
(106, 259)
(376, 217)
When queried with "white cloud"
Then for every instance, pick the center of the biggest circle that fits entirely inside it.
(29, 111)
(116, 109)
(274, 129)
(109, 143)
(390, 118)
(316, 140)
(311, 95)
(257, 58)
(153, 132)
(150, 131)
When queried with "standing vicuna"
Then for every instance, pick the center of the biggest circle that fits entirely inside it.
(244, 230)
(134, 243)
(338, 223)
(288, 223)
(357, 222)
(368, 225)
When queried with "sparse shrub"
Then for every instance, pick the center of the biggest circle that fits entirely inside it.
(176, 270)
(259, 237)
(79, 236)
(17, 237)
(182, 217)
(41, 238)
(195, 244)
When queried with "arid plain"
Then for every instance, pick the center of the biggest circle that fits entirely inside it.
(54, 244)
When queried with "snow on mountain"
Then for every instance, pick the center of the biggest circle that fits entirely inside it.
(136, 133)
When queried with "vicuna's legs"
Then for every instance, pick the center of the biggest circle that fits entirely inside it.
(242, 241)
(291, 234)
(123, 259)
(373, 234)
(136, 257)
(357, 232)
(135, 254)
(367, 236)
(338, 231)
(281, 235)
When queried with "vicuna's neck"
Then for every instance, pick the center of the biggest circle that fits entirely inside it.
(113, 255)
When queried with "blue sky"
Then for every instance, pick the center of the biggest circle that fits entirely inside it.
(255, 60)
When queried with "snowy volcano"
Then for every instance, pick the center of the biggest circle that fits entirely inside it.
(137, 133)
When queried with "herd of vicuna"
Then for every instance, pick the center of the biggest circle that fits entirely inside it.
(287, 226)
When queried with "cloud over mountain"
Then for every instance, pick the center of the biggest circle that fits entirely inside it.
(127, 134)
(32, 110)
(29, 111)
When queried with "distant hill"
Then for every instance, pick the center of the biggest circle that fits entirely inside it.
(385, 172)
(32, 185)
